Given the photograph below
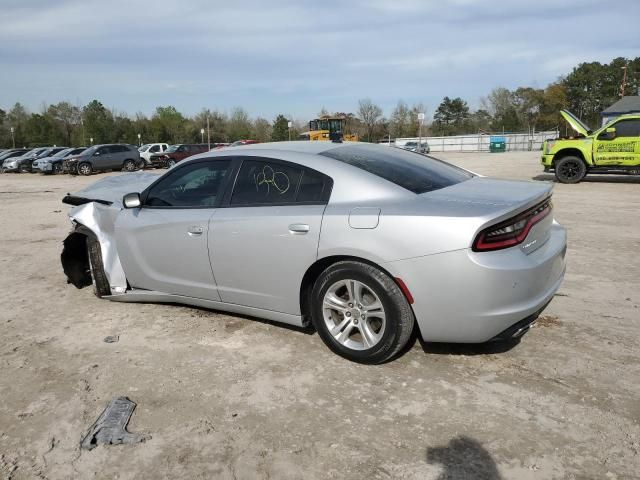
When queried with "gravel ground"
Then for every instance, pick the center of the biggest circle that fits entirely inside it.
(225, 396)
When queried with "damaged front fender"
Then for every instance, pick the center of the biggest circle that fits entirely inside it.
(94, 214)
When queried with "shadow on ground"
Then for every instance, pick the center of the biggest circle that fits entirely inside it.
(463, 458)
(592, 178)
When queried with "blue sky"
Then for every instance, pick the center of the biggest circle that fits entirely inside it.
(294, 57)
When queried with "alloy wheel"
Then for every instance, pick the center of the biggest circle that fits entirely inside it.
(353, 314)
(570, 170)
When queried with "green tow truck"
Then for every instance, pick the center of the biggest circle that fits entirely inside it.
(613, 148)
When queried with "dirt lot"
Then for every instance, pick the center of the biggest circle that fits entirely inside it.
(229, 397)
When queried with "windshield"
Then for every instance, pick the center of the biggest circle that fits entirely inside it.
(62, 153)
(172, 148)
(417, 173)
(144, 148)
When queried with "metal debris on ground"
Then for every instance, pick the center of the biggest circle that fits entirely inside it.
(112, 338)
(111, 426)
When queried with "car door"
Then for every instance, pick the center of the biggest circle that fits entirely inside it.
(163, 245)
(263, 241)
(102, 158)
(120, 154)
(623, 148)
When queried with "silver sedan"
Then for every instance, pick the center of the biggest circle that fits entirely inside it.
(363, 242)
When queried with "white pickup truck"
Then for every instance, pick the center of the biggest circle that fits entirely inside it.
(149, 149)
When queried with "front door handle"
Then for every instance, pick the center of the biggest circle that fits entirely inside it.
(298, 228)
(195, 231)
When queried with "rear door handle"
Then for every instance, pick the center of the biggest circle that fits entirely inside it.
(299, 228)
(195, 230)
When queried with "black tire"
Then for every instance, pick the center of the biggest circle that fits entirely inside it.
(57, 168)
(84, 168)
(129, 166)
(170, 163)
(570, 170)
(398, 313)
(100, 283)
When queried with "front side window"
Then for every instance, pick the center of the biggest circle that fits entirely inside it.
(628, 128)
(155, 148)
(412, 171)
(194, 185)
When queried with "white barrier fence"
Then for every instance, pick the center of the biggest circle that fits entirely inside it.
(481, 142)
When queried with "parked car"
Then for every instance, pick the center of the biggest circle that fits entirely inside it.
(149, 149)
(53, 163)
(413, 146)
(176, 153)
(404, 239)
(104, 157)
(27, 166)
(11, 154)
(239, 143)
(23, 162)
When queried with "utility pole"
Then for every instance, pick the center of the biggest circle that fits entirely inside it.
(420, 120)
(208, 133)
(624, 80)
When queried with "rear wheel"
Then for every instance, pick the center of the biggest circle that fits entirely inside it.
(129, 166)
(360, 312)
(100, 283)
(570, 170)
(57, 168)
(85, 168)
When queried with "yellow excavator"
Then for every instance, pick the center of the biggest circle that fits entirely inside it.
(330, 128)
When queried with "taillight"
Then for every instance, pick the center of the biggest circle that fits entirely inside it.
(513, 231)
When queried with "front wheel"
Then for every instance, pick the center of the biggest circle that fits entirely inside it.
(85, 168)
(57, 168)
(171, 163)
(360, 312)
(570, 170)
(100, 283)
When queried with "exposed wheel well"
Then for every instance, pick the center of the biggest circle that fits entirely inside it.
(568, 152)
(75, 261)
(314, 271)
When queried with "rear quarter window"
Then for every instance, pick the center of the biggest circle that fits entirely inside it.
(412, 171)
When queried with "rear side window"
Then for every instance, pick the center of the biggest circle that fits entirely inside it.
(264, 182)
(313, 187)
(417, 173)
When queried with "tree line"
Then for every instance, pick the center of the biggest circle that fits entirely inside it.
(587, 90)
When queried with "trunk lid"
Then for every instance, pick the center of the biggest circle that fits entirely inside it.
(485, 202)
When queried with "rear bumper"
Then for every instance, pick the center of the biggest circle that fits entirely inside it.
(471, 297)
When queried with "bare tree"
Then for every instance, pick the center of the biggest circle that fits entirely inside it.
(370, 114)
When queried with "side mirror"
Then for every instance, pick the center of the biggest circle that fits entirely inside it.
(131, 200)
(608, 134)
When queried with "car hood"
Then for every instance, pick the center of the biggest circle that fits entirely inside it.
(110, 190)
(577, 124)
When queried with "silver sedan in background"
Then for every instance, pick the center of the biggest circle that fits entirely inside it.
(361, 241)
